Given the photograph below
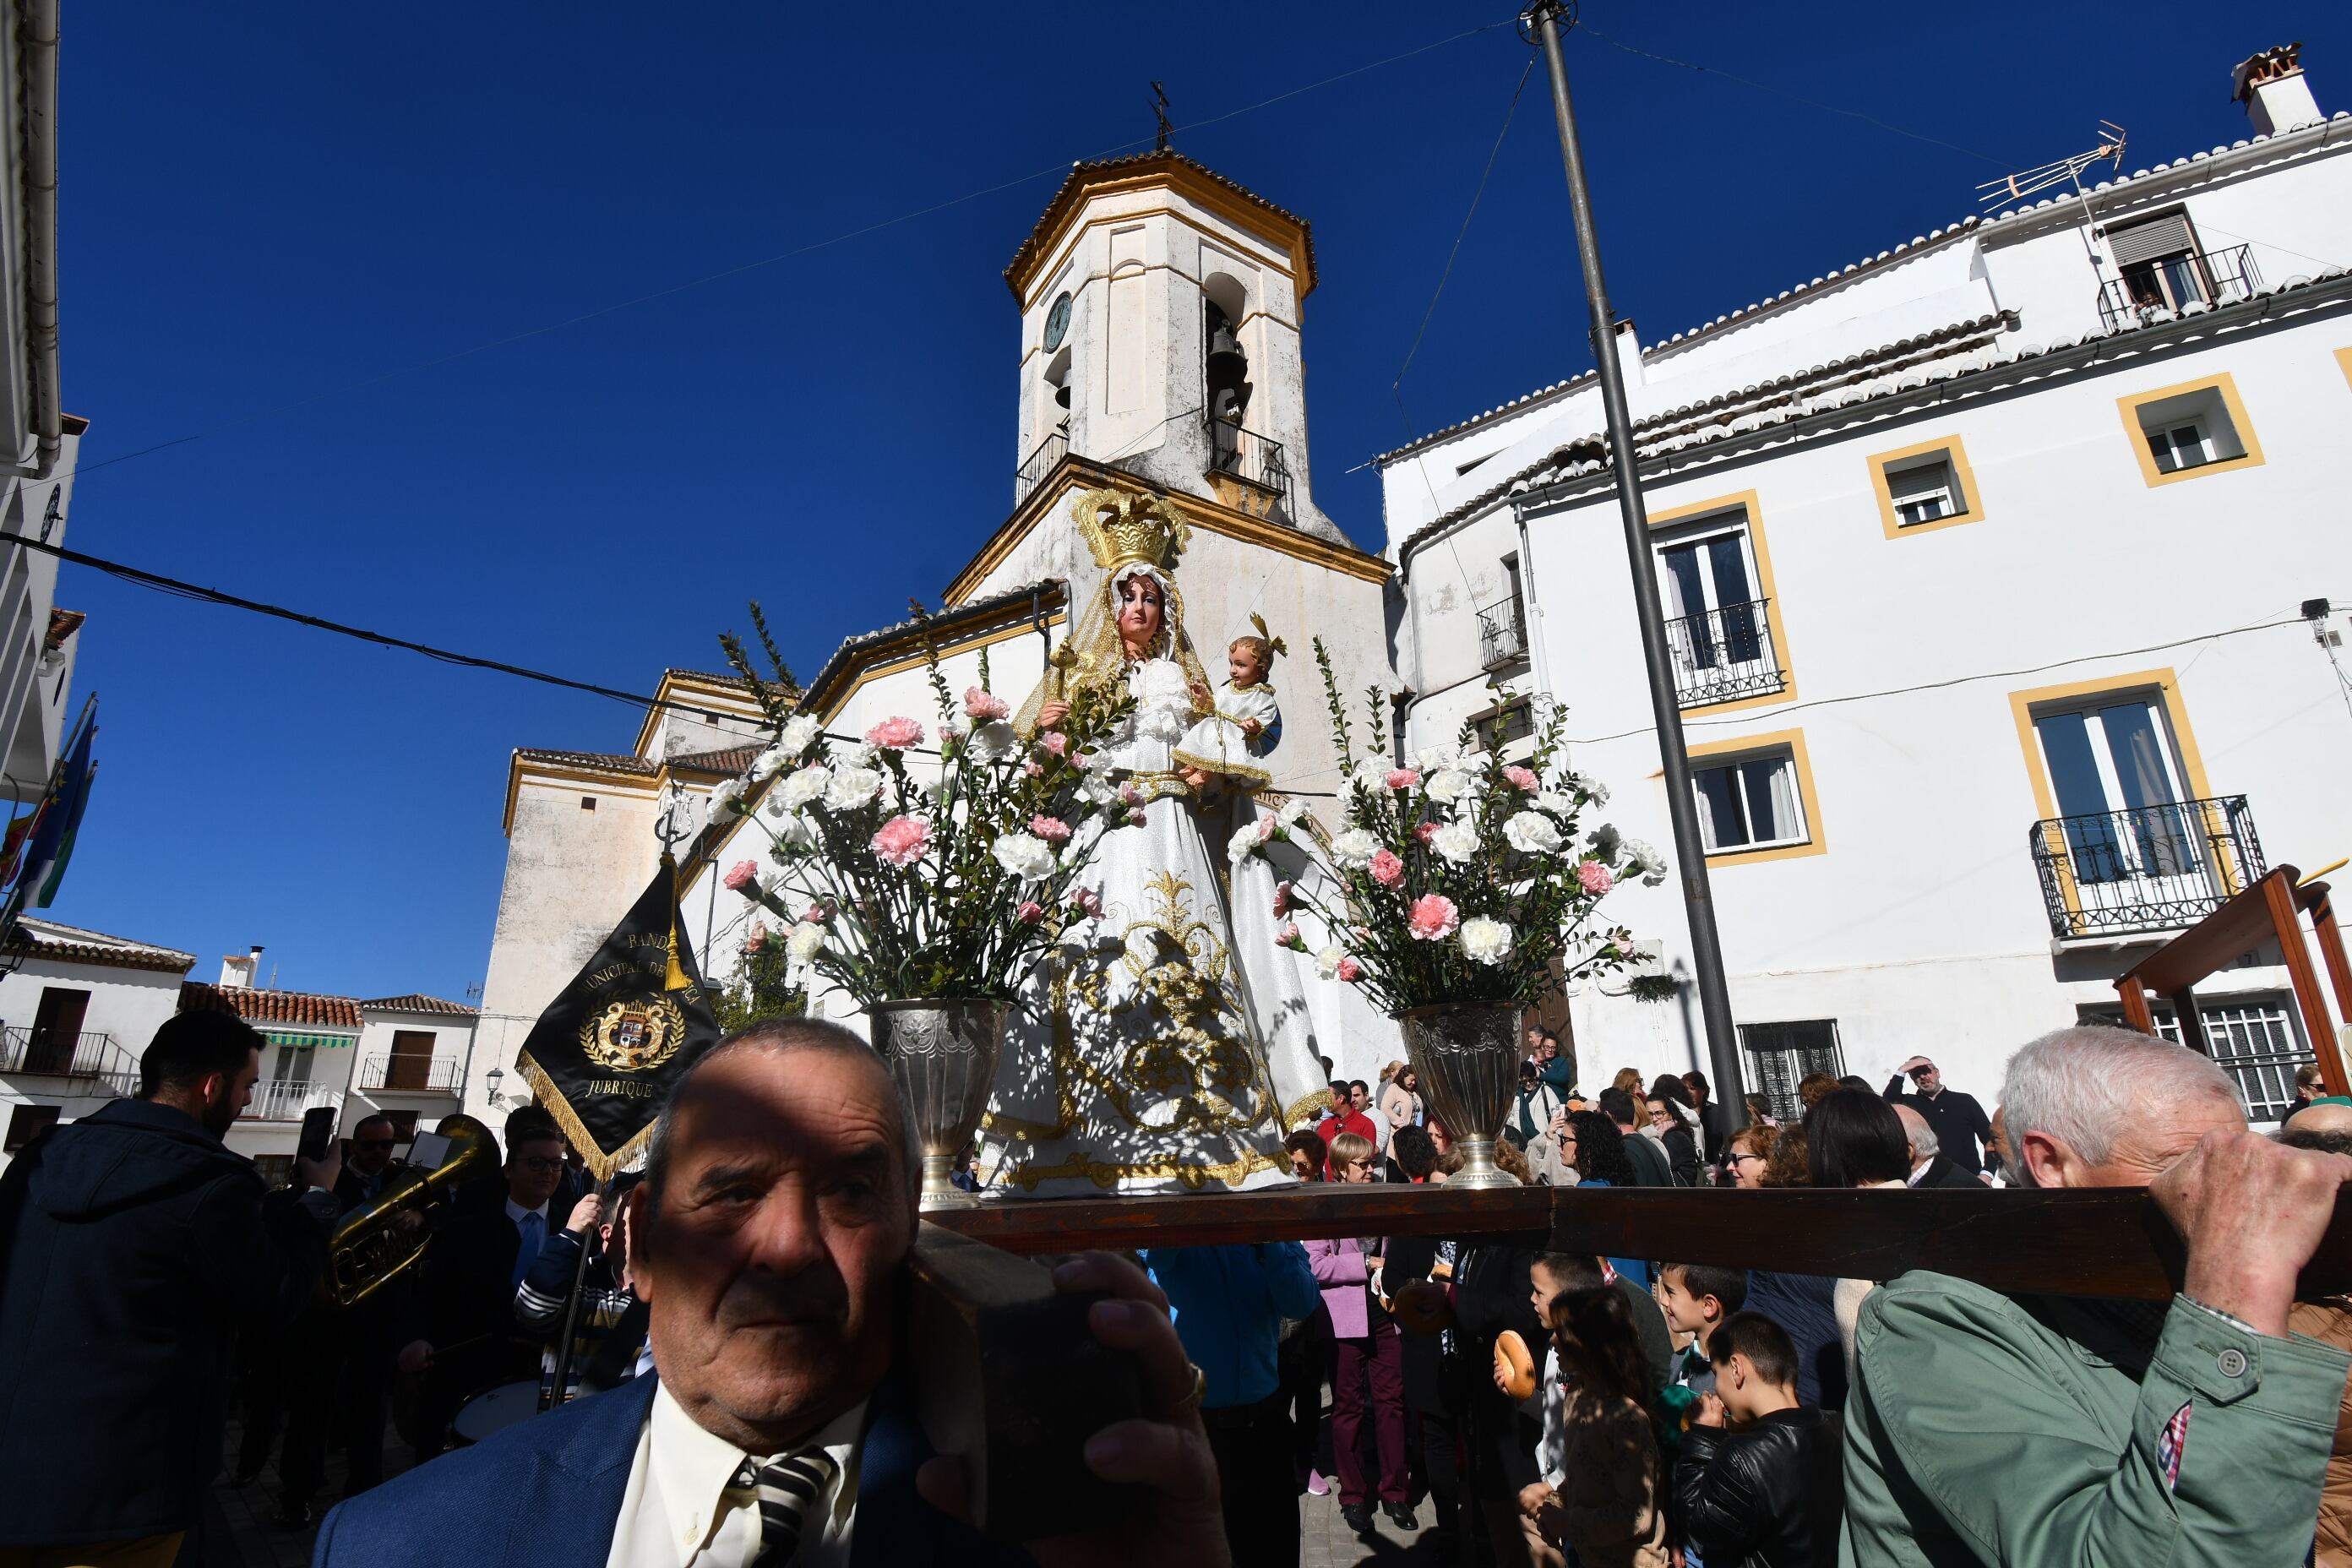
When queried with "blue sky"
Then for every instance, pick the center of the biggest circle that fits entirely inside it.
(279, 226)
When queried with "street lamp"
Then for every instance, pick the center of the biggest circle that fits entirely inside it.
(492, 1079)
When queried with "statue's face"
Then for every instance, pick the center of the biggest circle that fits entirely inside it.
(1141, 612)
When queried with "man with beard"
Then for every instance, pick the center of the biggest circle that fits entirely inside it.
(133, 1247)
(770, 1239)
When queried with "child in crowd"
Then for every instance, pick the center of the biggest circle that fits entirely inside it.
(1758, 1482)
(1697, 1298)
(1246, 723)
(1603, 1501)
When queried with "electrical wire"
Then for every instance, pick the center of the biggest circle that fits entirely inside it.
(766, 262)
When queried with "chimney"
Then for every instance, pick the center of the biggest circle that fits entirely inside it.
(239, 972)
(1628, 353)
(2273, 87)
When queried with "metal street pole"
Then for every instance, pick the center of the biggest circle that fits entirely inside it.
(1690, 851)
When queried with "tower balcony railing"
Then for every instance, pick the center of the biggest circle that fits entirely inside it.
(1041, 462)
(2148, 868)
(412, 1075)
(2153, 290)
(1246, 456)
(53, 1053)
(1502, 635)
(1724, 655)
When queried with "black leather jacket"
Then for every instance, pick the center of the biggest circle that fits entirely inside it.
(1769, 1497)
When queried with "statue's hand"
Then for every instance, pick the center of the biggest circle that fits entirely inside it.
(1052, 714)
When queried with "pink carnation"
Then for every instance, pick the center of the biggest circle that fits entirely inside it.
(742, 875)
(1433, 917)
(1080, 761)
(1135, 816)
(1030, 912)
(818, 914)
(895, 734)
(1403, 778)
(1034, 769)
(1386, 868)
(1288, 935)
(1522, 778)
(756, 939)
(902, 840)
(1129, 796)
(1054, 741)
(1052, 829)
(1281, 900)
(981, 706)
(1350, 971)
(1594, 877)
(1087, 900)
(1425, 832)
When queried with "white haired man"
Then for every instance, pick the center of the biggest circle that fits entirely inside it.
(2031, 1430)
(1929, 1166)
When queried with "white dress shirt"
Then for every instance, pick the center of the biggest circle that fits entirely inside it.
(682, 1509)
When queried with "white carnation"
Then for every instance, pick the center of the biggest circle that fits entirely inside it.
(799, 733)
(850, 788)
(1371, 773)
(1292, 812)
(795, 832)
(1326, 961)
(1443, 755)
(995, 741)
(727, 800)
(1484, 940)
(1457, 841)
(804, 943)
(859, 755)
(1447, 786)
(1354, 848)
(1532, 832)
(1603, 842)
(1029, 857)
(767, 764)
(1592, 789)
(1652, 863)
(803, 788)
(1552, 800)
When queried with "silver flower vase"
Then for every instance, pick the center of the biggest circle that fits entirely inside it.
(1467, 1055)
(942, 1053)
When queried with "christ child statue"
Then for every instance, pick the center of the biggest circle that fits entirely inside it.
(1244, 723)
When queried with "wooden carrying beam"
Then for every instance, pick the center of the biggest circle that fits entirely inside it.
(2112, 1242)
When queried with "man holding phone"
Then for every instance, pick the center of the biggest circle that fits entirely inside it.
(1957, 1120)
(134, 1245)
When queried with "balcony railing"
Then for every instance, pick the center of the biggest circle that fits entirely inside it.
(412, 1075)
(287, 1099)
(1502, 635)
(90, 1054)
(2152, 867)
(1041, 462)
(1248, 457)
(1724, 655)
(2190, 277)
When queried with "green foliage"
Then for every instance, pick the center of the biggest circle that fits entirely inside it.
(763, 988)
(1653, 988)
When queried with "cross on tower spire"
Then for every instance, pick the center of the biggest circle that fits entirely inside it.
(1159, 108)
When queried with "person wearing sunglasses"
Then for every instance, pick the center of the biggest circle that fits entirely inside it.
(369, 1165)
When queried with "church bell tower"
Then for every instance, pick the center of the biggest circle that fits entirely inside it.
(1160, 335)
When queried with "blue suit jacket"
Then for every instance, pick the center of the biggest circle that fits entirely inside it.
(546, 1493)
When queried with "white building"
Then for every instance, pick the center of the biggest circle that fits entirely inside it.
(76, 1009)
(37, 641)
(1985, 560)
(1159, 309)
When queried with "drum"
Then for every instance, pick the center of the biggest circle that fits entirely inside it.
(494, 1411)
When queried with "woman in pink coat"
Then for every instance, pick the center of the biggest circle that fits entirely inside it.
(1370, 1369)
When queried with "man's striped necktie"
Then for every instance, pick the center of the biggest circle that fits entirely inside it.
(787, 1488)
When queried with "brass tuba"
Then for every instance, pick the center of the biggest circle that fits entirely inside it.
(367, 1250)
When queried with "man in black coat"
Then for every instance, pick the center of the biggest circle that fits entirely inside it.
(1959, 1120)
(1758, 1482)
(1650, 1166)
(1929, 1166)
(133, 1247)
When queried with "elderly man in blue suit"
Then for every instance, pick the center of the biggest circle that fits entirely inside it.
(769, 1240)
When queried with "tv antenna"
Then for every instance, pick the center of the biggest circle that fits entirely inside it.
(2032, 182)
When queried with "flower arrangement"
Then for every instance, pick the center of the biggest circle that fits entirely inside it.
(895, 882)
(1459, 878)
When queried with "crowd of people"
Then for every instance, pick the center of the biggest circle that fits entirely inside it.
(732, 1390)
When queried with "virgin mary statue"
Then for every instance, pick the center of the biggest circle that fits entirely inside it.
(1132, 1064)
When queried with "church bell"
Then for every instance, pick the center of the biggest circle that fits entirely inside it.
(1228, 369)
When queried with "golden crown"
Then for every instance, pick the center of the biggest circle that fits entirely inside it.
(1128, 530)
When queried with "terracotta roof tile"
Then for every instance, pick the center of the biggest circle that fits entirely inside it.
(270, 1006)
(726, 760)
(1084, 173)
(415, 1002)
(72, 945)
(594, 761)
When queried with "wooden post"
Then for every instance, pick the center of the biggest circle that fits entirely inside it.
(2330, 1052)
(2317, 1027)
(2137, 1012)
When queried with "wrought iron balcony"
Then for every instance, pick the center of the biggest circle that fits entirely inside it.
(285, 1100)
(1248, 457)
(54, 1054)
(412, 1075)
(2169, 282)
(1724, 655)
(2149, 869)
(1502, 635)
(1041, 462)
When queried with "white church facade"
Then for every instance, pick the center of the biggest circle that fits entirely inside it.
(1997, 570)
